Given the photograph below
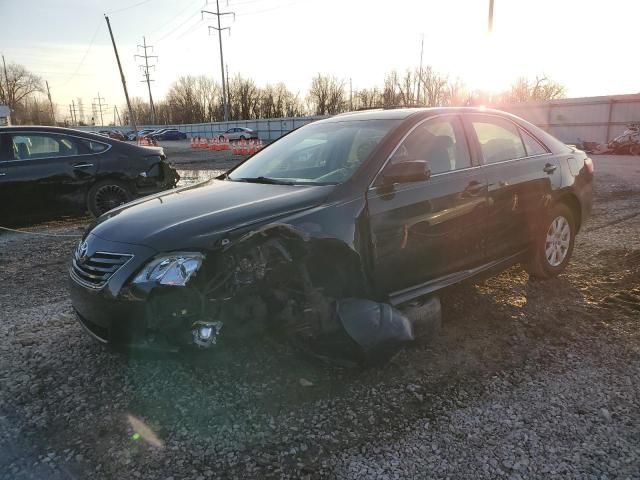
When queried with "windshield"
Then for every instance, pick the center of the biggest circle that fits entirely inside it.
(319, 153)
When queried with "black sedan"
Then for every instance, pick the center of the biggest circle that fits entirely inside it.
(169, 134)
(321, 234)
(48, 170)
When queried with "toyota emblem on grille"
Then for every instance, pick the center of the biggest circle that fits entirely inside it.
(81, 252)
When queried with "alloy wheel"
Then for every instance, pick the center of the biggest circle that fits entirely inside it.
(558, 241)
(109, 197)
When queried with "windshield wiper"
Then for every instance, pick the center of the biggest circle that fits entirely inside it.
(267, 180)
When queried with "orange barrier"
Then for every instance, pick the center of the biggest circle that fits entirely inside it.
(225, 144)
(193, 142)
(213, 144)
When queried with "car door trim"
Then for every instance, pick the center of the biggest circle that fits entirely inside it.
(27, 132)
(411, 293)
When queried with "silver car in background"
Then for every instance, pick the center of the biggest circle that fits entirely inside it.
(238, 133)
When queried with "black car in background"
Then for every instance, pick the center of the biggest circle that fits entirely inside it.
(49, 170)
(169, 134)
(378, 206)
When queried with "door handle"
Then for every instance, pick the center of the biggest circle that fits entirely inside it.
(549, 168)
(83, 165)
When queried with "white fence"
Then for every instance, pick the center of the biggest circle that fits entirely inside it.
(572, 120)
(593, 119)
(267, 129)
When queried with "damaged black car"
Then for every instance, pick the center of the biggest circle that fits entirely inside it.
(51, 171)
(330, 236)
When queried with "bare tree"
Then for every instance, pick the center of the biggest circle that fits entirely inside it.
(433, 87)
(390, 93)
(367, 98)
(327, 95)
(540, 89)
(19, 85)
(244, 98)
(193, 100)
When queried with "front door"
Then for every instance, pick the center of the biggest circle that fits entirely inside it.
(428, 229)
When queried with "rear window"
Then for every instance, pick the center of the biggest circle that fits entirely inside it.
(95, 147)
(532, 145)
(499, 139)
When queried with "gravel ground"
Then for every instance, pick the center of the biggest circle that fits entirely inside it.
(526, 380)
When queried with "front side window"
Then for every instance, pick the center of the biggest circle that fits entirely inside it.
(36, 145)
(439, 141)
(319, 153)
(499, 139)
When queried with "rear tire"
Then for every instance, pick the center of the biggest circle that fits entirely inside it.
(106, 195)
(553, 243)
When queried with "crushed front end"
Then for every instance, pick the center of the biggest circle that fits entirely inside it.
(270, 282)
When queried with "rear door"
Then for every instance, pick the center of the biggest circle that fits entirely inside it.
(49, 172)
(424, 230)
(520, 172)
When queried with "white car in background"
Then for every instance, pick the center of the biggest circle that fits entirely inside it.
(238, 133)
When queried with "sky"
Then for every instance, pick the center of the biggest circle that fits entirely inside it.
(587, 45)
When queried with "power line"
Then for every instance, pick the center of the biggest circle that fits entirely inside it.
(145, 73)
(219, 14)
(84, 57)
(174, 17)
(128, 8)
(171, 32)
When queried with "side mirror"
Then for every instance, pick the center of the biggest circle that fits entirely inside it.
(405, 172)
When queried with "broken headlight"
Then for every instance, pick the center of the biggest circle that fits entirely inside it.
(175, 269)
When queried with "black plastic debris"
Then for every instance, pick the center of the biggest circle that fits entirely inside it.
(378, 329)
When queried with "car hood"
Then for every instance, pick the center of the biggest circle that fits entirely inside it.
(195, 217)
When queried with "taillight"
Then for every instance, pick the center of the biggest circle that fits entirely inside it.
(588, 163)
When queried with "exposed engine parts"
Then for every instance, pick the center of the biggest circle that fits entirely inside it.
(275, 283)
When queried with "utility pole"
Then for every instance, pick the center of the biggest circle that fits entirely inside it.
(218, 14)
(74, 117)
(53, 115)
(420, 72)
(132, 119)
(228, 88)
(490, 16)
(350, 94)
(115, 112)
(6, 79)
(80, 115)
(99, 109)
(145, 73)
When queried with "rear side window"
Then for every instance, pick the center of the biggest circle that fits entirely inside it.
(532, 145)
(499, 139)
(440, 142)
(95, 147)
(30, 146)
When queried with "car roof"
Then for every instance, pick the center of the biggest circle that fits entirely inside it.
(42, 128)
(404, 113)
